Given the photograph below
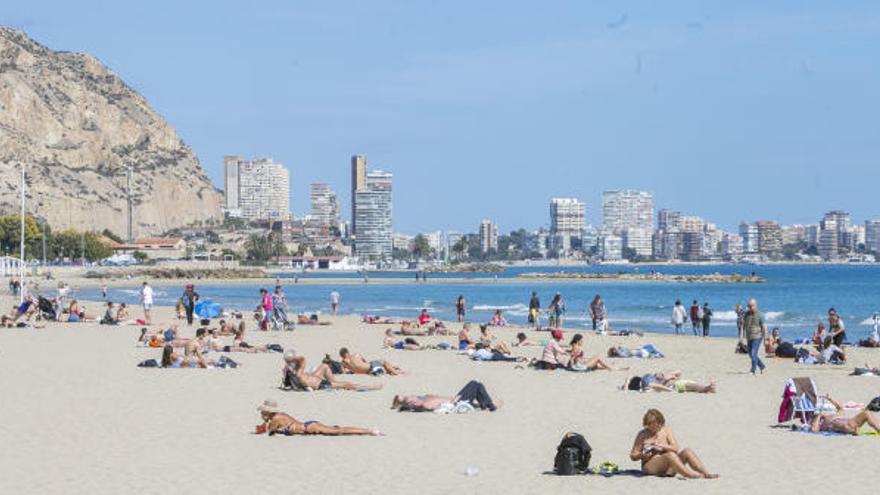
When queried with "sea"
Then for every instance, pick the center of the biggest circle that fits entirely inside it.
(795, 298)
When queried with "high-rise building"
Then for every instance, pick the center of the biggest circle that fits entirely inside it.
(566, 222)
(231, 184)
(263, 191)
(488, 236)
(731, 245)
(668, 220)
(358, 182)
(691, 223)
(373, 217)
(611, 247)
(627, 210)
(639, 240)
(749, 234)
(829, 244)
(325, 213)
(839, 222)
(769, 238)
(872, 236)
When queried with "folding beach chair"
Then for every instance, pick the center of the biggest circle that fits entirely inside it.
(800, 399)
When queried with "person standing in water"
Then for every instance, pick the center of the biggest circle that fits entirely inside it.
(696, 317)
(460, 308)
(597, 311)
(534, 310)
(679, 317)
(707, 319)
(334, 301)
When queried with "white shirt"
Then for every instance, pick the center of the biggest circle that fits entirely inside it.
(334, 297)
(678, 315)
(147, 294)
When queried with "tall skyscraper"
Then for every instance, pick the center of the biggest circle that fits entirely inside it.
(668, 220)
(769, 238)
(231, 184)
(325, 213)
(872, 236)
(488, 236)
(627, 210)
(358, 182)
(566, 222)
(838, 222)
(749, 234)
(373, 234)
(263, 191)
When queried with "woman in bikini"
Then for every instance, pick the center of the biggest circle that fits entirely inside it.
(838, 423)
(171, 359)
(407, 344)
(322, 378)
(277, 422)
(668, 382)
(578, 361)
(658, 450)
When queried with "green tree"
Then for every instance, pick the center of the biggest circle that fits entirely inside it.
(421, 248)
(261, 248)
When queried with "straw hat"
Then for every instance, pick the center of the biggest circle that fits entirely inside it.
(269, 406)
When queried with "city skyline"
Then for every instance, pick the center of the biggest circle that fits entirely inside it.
(728, 111)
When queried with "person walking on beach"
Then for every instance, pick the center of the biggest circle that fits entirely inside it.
(104, 291)
(147, 301)
(334, 301)
(696, 317)
(679, 316)
(189, 298)
(556, 310)
(756, 331)
(534, 310)
(460, 308)
(597, 311)
(707, 319)
(265, 309)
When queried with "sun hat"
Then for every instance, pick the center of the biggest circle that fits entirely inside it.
(557, 334)
(269, 406)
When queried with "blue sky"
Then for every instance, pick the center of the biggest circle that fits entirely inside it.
(728, 110)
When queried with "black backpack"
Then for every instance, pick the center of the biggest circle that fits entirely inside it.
(572, 455)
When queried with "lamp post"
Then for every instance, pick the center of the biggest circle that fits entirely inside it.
(21, 260)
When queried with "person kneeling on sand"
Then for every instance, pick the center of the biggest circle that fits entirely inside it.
(839, 423)
(296, 377)
(659, 452)
(277, 422)
(355, 363)
(407, 344)
(474, 393)
(668, 382)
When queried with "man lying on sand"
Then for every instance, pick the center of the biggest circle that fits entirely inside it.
(275, 421)
(837, 422)
(659, 452)
(162, 338)
(407, 344)
(668, 382)
(473, 393)
(171, 359)
(523, 341)
(355, 363)
(310, 320)
(296, 377)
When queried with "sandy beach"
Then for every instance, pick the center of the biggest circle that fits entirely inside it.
(78, 416)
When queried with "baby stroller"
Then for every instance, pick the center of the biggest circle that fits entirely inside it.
(46, 309)
(278, 318)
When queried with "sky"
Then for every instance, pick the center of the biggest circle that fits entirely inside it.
(733, 111)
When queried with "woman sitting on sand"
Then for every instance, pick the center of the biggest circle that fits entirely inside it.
(490, 341)
(407, 344)
(171, 359)
(821, 339)
(523, 341)
(839, 423)
(553, 356)
(498, 319)
(658, 450)
(577, 361)
(356, 364)
(277, 422)
(474, 393)
(668, 382)
(296, 377)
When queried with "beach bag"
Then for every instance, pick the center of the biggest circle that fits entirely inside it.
(149, 363)
(741, 348)
(572, 455)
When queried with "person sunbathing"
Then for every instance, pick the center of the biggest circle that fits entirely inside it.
(377, 320)
(668, 382)
(160, 339)
(322, 378)
(523, 341)
(490, 341)
(171, 359)
(277, 422)
(837, 422)
(407, 329)
(772, 342)
(474, 393)
(439, 328)
(227, 329)
(646, 351)
(658, 450)
(310, 320)
(407, 344)
(464, 338)
(498, 319)
(579, 362)
(355, 363)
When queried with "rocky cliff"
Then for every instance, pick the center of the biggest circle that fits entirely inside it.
(76, 127)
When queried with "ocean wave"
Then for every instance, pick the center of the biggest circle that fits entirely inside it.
(502, 307)
(768, 315)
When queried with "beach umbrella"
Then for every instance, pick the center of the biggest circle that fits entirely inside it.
(207, 309)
